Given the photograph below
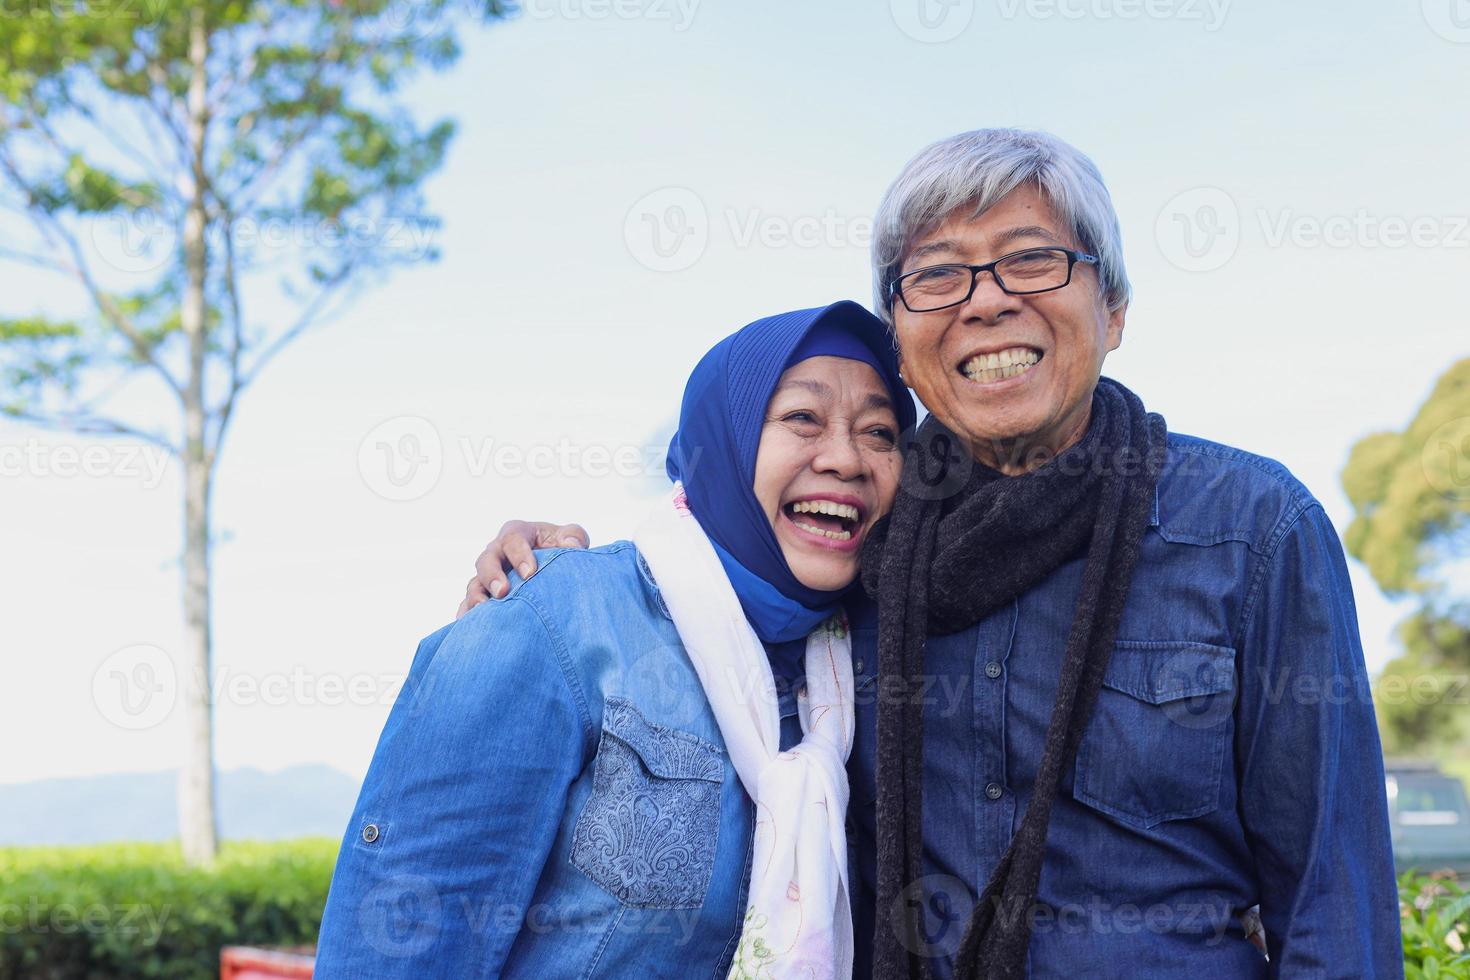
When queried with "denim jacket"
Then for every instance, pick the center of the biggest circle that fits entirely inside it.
(550, 797)
(1232, 757)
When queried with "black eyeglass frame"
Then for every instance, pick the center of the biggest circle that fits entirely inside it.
(895, 288)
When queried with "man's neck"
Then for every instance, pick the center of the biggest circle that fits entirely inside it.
(1022, 454)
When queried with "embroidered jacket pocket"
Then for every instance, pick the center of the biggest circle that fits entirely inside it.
(1156, 744)
(648, 831)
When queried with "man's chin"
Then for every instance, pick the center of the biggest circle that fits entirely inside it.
(990, 437)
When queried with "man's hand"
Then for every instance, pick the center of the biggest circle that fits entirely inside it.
(512, 549)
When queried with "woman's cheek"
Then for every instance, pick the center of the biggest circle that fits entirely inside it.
(892, 470)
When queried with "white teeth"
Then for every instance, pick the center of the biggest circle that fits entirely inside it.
(845, 511)
(1008, 363)
(834, 535)
(832, 509)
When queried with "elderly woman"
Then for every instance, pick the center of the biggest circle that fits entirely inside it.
(634, 764)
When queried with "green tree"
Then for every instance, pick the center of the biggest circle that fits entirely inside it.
(172, 158)
(1411, 495)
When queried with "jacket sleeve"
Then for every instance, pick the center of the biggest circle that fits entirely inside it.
(1312, 797)
(461, 804)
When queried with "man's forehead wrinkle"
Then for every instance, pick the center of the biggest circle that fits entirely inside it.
(997, 240)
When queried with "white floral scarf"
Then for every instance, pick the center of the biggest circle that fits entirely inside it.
(798, 922)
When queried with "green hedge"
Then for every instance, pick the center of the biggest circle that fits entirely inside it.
(121, 911)
(124, 911)
(1436, 920)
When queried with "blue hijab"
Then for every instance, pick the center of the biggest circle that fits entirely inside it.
(714, 451)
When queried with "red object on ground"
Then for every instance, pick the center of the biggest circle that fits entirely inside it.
(246, 963)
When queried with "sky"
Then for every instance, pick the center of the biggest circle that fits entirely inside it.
(634, 179)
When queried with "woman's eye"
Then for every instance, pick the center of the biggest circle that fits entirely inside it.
(886, 434)
(799, 417)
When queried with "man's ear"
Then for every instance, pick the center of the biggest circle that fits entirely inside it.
(906, 382)
(1115, 326)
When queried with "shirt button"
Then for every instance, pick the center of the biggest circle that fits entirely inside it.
(992, 670)
(370, 833)
(993, 791)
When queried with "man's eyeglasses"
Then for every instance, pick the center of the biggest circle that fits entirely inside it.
(1031, 270)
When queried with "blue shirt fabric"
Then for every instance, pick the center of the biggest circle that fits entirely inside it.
(1233, 757)
(550, 796)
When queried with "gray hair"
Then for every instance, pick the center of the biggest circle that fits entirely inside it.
(973, 171)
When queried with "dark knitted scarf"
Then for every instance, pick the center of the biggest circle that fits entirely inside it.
(964, 540)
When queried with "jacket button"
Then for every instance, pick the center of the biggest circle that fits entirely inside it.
(370, 833)
(993, 791)
(992, 670)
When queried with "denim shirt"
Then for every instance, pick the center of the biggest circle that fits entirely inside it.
(1232, 759)
(550, 797)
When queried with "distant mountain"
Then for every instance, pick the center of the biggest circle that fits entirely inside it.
(295, 802)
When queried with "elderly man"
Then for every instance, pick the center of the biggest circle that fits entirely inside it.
(1120, 696)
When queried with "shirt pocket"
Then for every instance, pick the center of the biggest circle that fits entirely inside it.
(648, 832)
(1156, 744)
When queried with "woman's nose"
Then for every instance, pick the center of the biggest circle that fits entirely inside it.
(839, 454)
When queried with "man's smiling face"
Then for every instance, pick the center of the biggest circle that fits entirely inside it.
(1033, 397)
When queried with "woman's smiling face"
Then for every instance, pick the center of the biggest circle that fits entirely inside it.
(828, 466)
